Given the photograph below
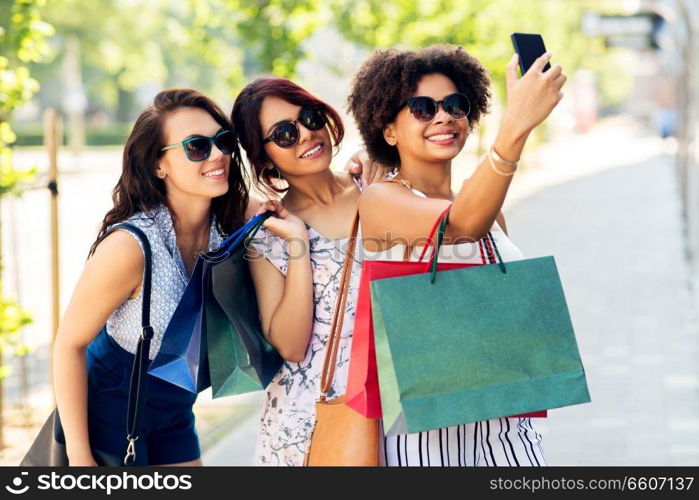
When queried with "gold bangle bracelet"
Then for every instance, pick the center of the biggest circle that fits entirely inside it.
(497, 170)
(491, 151)
(496, 157)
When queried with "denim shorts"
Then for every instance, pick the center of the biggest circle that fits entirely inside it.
(168, 434)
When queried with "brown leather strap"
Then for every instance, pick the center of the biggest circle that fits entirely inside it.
(333, 345)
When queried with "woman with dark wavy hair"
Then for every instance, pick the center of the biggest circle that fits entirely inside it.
(182, 185)
(415, 110)
(296, 260)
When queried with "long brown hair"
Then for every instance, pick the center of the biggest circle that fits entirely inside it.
(139, 189)
(246, 118)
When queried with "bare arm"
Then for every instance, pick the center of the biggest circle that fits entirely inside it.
(285, 302)
(111, 276)
(390, 211)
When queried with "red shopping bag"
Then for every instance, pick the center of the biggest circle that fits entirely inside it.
(362, 392)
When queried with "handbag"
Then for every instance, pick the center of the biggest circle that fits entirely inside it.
(182, 358)
(362, 380)
(49, 449)
(468, 345)
(240, 357)
(341, 436)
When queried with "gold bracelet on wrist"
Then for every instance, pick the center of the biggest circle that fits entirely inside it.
(493, 156)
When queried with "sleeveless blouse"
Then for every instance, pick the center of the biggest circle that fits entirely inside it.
(169, 280)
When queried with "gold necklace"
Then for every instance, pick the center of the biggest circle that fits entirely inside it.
(195, 250)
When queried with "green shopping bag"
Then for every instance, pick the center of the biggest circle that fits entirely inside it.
(240, 358)
(471, 344)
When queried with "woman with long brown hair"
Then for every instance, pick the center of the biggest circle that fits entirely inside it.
(182, 186)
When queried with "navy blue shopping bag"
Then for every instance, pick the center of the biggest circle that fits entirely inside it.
(182, 359)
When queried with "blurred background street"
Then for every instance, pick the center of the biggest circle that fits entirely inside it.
(609, 186)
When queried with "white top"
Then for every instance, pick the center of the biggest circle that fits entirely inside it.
(462, 252)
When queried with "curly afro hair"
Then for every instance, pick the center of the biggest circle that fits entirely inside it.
(389, 77)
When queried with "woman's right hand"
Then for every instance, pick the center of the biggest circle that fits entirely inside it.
(285, 224)
(531, 98)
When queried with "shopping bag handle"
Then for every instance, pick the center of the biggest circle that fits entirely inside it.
(252, 225)
(443, 221)
(244, 234)
(430, 236)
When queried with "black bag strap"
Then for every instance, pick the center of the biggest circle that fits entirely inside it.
(137, 385)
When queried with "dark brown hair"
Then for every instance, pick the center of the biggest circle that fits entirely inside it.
(246, 119)
(139, 189)
(386, 80)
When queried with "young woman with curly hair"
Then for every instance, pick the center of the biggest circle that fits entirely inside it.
(296, 259)
(182, 186)
(415, 110)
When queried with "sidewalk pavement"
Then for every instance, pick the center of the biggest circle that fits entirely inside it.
(606, 205)
(618, 241)
(237, 447)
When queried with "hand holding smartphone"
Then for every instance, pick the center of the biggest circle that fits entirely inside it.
(531, 97)
(529, 46)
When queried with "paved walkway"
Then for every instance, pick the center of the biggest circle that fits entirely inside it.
(617, 238)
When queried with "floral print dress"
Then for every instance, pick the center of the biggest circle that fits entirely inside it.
(288, 415)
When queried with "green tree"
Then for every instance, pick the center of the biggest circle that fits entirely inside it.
(22, 36)
(129, 45)
(274, 31)
(481, 26)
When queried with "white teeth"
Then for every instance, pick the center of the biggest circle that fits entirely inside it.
(312, 151)
(214, 173)
(441, 137)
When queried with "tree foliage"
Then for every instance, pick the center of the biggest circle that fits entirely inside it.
(483, 27)
(22, 41)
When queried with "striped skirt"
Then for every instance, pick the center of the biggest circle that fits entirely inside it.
(499, 442)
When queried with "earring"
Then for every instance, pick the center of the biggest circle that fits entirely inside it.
(391, 141)
(279, 173)
(161, 175)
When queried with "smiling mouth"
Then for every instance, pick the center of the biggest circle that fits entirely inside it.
(215, 173)
(441, 137)
(312, 151)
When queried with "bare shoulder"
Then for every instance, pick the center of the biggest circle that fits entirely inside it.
(115, 269)
(120, 251)
(383, 193)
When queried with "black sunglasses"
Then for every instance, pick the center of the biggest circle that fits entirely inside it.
(424, 108)
(198, 147)
(286, 133)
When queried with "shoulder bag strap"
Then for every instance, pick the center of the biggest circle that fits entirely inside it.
(332, 347)
(137, 385)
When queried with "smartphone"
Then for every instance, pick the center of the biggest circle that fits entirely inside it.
(529, 46)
